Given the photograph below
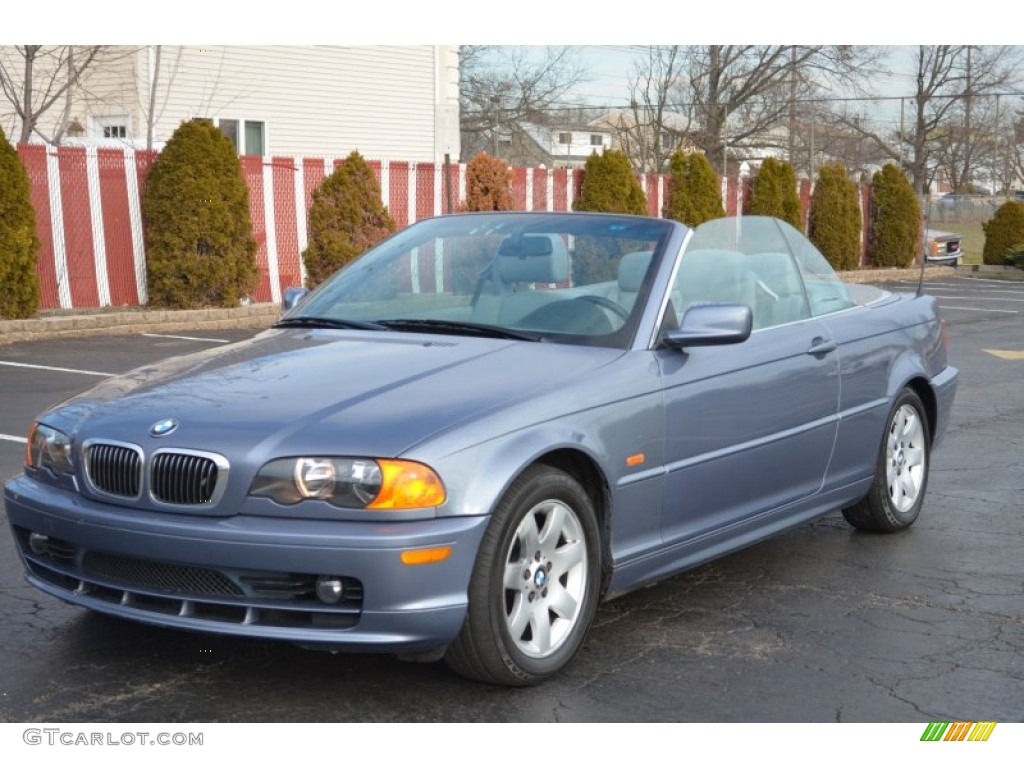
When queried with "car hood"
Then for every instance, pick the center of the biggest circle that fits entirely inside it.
(346, 392)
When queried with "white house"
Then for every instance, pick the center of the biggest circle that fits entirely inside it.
(387, 102)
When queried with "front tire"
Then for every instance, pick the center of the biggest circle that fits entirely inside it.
(901, 473)
(535, 585)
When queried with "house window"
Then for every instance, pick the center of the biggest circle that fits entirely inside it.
(565, 138)
(248, 136)
(230, 129)
(254, 138)
(110, 126)
(596, 140)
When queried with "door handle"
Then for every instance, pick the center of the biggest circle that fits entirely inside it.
(821, 346)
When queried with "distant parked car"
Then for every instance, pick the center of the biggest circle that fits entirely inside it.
(942, 248)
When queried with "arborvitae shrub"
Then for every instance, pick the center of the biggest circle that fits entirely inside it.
(609, 186)
(774, 193)
(1004, 234)
(834, 221)
(488, 184)
(695, 193)
(199, 245)
(346, 218)
(895, 239)
(19, 246)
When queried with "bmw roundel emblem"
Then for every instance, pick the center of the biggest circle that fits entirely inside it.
(163, 428)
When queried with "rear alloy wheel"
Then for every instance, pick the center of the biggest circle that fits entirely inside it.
(901, 473)
(535, 584)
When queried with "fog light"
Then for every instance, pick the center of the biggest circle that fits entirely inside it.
(38, 543)
(330, 589)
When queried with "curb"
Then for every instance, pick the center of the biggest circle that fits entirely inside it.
(889, 275)
(126, 322)
(122, 322)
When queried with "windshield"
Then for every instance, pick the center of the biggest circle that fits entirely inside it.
(571, 278)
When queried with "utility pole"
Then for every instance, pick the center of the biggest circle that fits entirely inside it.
(997, 158)
(811, 154)
(965, 174)
(792, 104)
(902, 127)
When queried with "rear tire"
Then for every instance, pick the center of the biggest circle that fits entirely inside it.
(535, 584)
(901, 472)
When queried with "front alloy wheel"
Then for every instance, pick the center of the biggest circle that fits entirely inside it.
(545, 578)
(535, 585)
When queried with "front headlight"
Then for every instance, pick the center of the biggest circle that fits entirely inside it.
(50, 449)
(350, 482)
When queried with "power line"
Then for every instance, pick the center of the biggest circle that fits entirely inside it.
(561, 106)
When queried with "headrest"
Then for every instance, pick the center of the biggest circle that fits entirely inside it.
(708, 261)
(632, 268)
(533, 259)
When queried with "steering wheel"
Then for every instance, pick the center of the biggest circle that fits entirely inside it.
(604, 301)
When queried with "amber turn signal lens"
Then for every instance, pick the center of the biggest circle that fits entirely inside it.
(407, 485)
(424, 556)
(28, 445)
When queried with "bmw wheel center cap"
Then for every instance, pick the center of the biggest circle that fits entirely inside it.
(163, 428)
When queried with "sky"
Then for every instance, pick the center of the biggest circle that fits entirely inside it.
(610, 68)
(609, 36)
(534, 22)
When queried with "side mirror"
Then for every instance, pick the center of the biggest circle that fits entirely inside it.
(292, 296)
(708, 325)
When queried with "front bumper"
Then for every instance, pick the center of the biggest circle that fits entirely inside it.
(250, 576)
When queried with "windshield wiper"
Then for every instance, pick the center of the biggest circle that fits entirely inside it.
(459, 327)
(328, 322)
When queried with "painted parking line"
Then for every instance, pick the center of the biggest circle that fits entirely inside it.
(13, 438)
(1005, 354)
(982, 309)
(976, 297)
(985, 280)
(13, 364)
(186, 338)
(977, 291)
(991, 286)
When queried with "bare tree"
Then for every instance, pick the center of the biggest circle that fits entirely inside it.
(162, 70)
(36, 78)
(1011, 148)
(952, 118)
(642, 132)
(736, 94)
(500, 88)
(967, 147)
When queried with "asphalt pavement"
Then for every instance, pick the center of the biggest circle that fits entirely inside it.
(819, 624)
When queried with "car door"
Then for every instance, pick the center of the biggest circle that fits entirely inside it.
(750, 427)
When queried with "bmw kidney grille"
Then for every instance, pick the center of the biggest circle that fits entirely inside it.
(176, 476)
